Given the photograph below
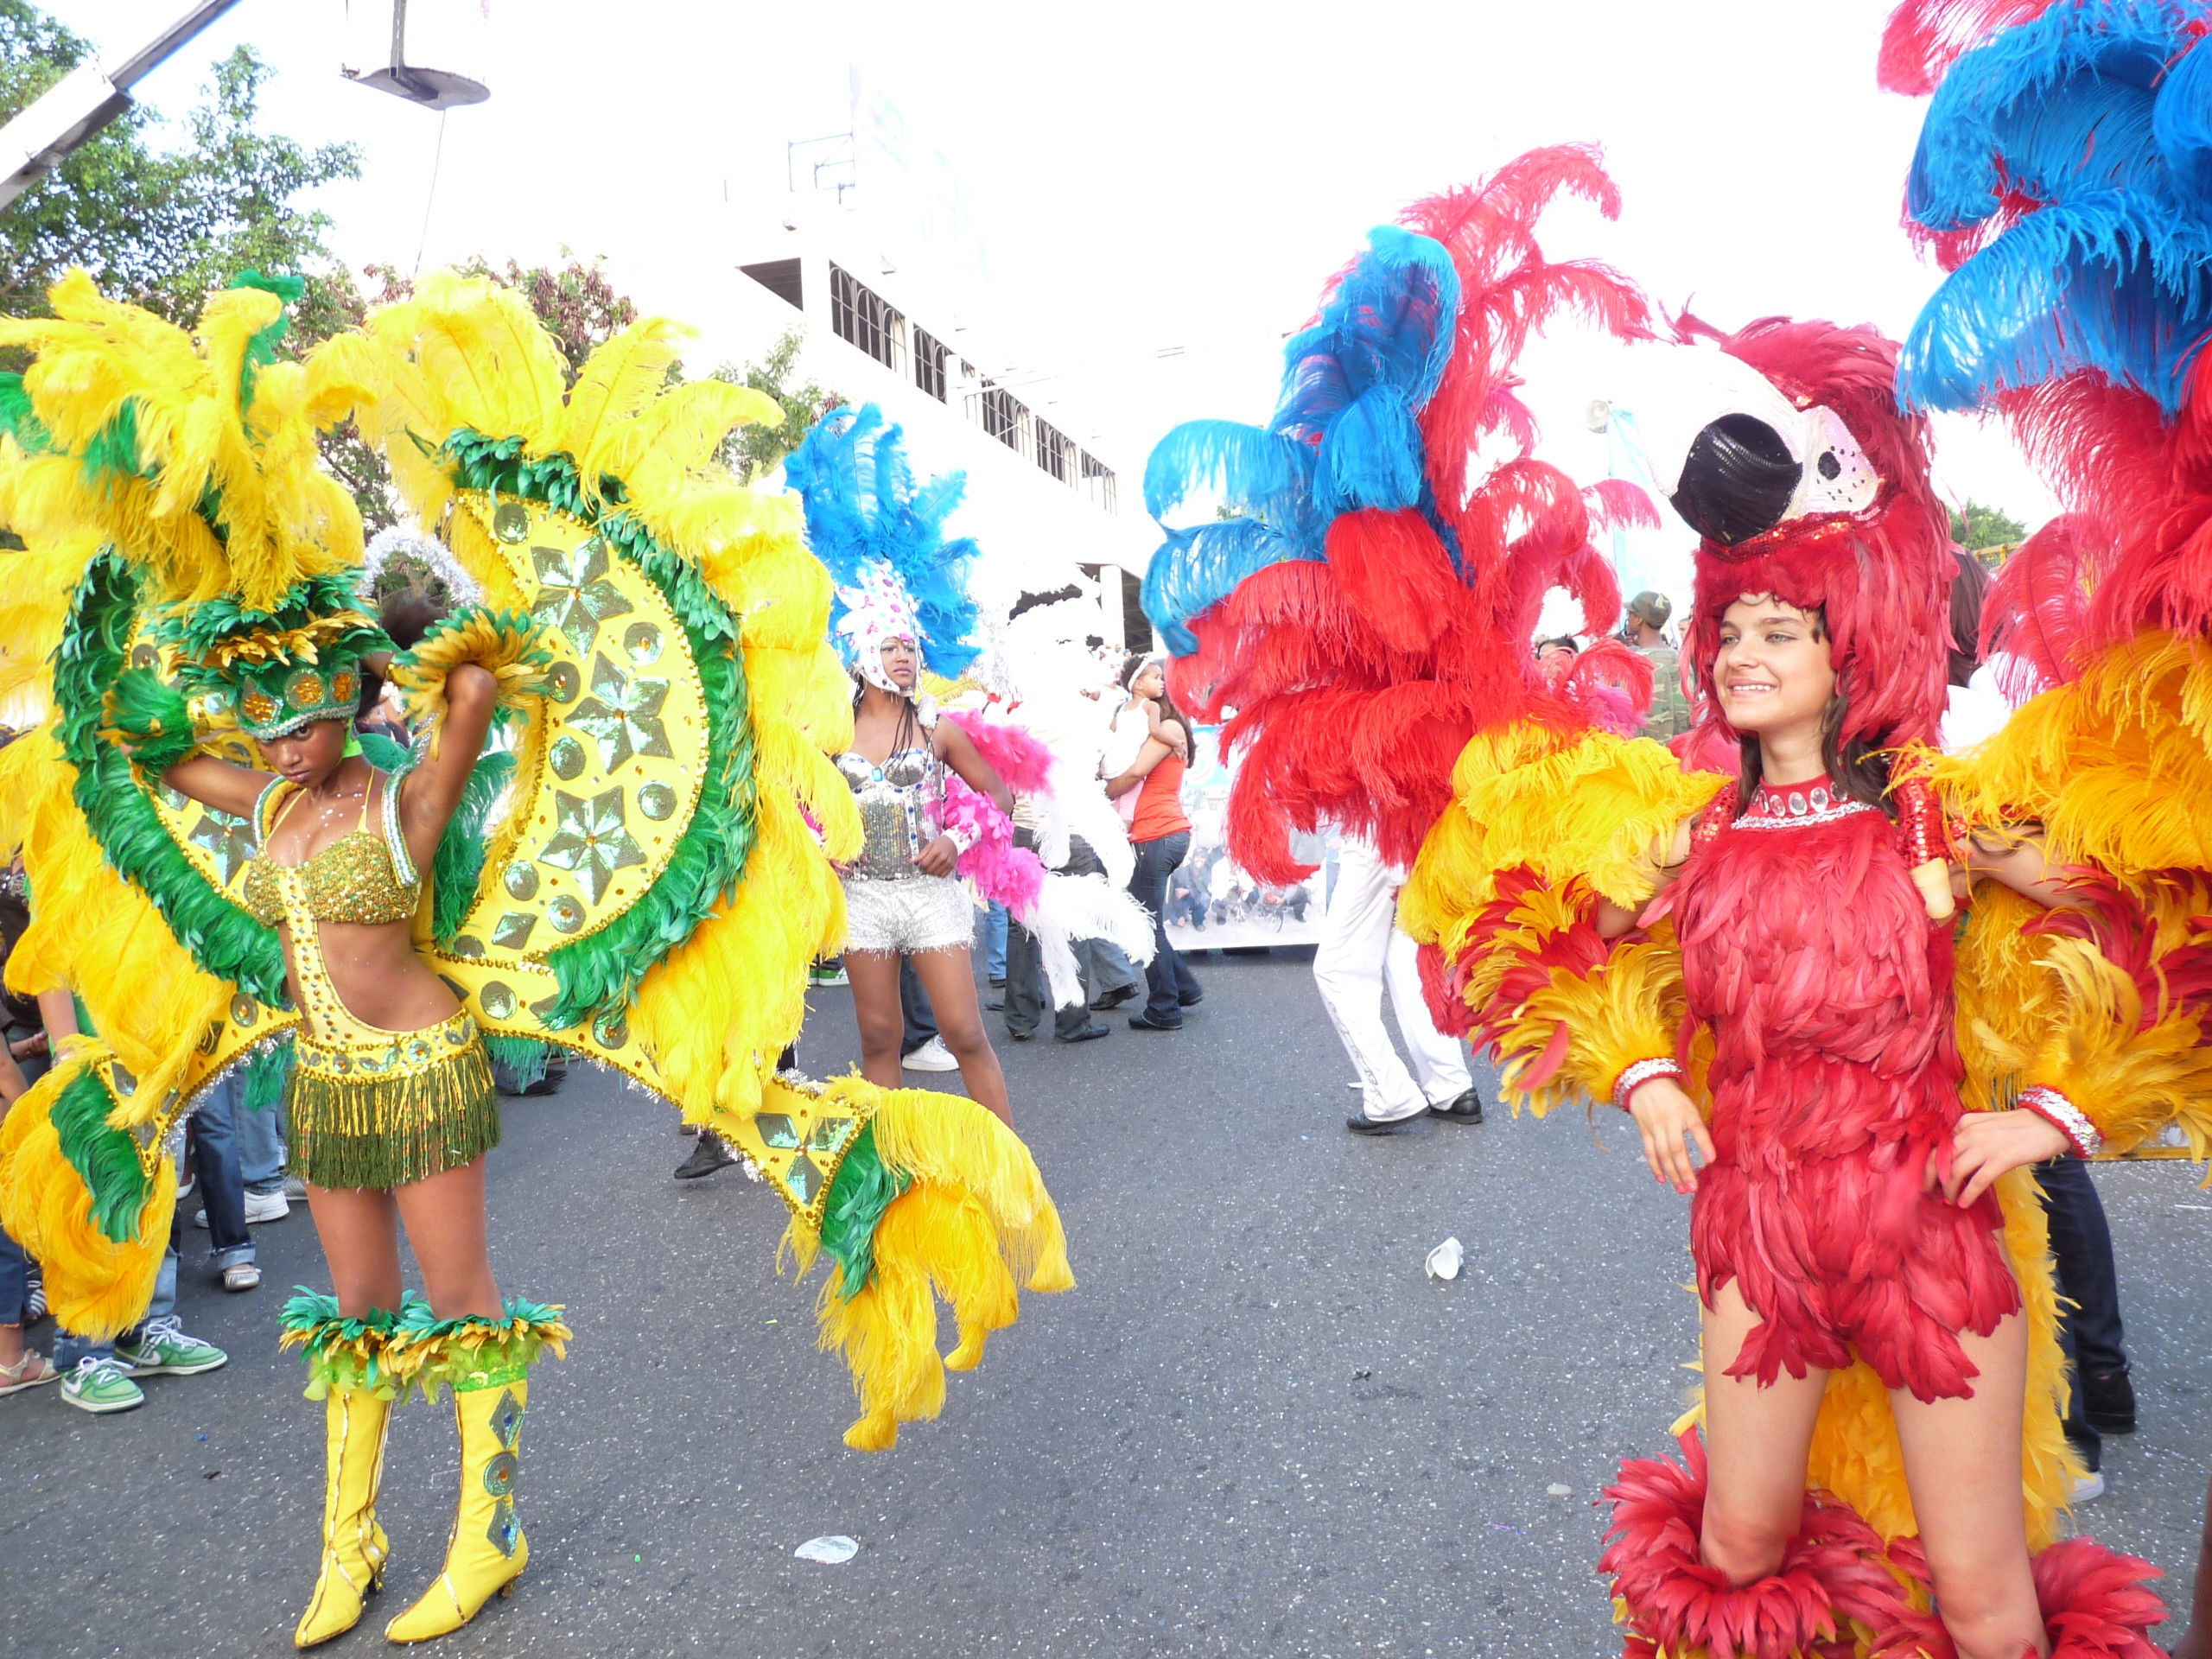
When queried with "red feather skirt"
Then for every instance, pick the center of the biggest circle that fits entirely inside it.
(1835, 1079)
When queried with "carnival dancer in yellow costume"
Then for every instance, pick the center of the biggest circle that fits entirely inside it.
(627, 869)
(391, 1107)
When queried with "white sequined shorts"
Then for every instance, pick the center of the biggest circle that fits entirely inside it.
(923, 912)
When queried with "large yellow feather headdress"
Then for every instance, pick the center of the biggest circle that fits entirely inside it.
(194, 457)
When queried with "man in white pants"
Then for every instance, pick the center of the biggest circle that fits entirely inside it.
(1360, 945)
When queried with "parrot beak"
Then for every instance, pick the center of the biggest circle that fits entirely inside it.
(1737, 459)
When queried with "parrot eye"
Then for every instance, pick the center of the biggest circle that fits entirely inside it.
(1831, 468)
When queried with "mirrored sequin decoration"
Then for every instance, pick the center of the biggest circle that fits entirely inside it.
(607, 785)
(797, 1140)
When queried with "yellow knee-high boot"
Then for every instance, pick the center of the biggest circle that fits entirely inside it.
(486, 1365)
(487, 1551)
(354, 1545)
(347, 1371)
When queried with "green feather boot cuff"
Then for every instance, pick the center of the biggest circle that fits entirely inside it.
(350, 1356)
(424, 1354)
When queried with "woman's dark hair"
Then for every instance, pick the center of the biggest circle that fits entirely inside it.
(1030, 602)
(1858, 769)
(405, 616)
(1969, 593)
(910, 716)
(1136, 664)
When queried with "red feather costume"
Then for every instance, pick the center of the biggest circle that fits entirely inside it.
(1793, 972)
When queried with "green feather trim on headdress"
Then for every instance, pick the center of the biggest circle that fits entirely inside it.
(105, 1159)
(861, 1191)
(280, 669)
(223, 938)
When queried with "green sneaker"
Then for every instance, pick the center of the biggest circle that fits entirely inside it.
(100, 1384)
(162, 1347)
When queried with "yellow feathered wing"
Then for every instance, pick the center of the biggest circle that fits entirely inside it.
(973, 1222)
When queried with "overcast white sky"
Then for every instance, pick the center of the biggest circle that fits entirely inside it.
(1148, 174)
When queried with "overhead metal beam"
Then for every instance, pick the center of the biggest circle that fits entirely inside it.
(85, 99)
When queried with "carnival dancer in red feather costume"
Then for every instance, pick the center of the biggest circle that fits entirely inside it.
(1766, 968)
(1846, 1213)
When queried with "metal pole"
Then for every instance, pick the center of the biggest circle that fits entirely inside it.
(85, 99)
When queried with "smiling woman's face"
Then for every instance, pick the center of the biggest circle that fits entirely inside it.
(1773, 671)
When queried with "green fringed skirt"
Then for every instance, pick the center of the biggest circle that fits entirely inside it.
(380, 1109)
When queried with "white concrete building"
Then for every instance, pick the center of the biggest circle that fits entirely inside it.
(1045, 509)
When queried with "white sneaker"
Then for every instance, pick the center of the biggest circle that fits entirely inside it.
(259, 1206)
(933, 1056)
(2089, 1489)
(295, 1187)
(241, 1275)
(266, 1206)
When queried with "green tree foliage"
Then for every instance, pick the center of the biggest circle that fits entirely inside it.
(1974, 527)
(160, 228)
(752, 451)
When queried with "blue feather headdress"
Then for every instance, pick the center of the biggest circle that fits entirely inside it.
(883, 541)
(1343, 436)
(2082, 140)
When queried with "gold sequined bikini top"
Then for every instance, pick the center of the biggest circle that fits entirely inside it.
(360, 877)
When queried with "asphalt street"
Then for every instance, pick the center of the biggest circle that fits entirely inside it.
(1255, 1427)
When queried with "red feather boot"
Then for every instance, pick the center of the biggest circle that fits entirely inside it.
(1830, 1598)
(2092, 1601)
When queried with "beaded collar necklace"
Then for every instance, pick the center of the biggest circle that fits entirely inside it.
(1787, 806)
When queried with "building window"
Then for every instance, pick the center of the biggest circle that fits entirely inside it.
(1054, 452)
(1005, 416)
(929, 363)
(1098, 483)
(781, 278)
(860, 317)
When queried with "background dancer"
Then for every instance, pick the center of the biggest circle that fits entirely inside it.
(902, 896)
(1361, 945)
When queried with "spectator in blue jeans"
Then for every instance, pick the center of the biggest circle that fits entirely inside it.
(995, 944)
(222, 1182)
(261, 1162)
(98, 1375)
(1160, 833)
(21, 1367)
(2103, 1400)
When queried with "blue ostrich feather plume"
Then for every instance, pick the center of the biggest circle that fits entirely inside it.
(1257, 473)
(2099, 113)
(2054, 108)
(1389, 322)
(1344, 435)
(1197, 568)
(862, 507)
(2107, 282)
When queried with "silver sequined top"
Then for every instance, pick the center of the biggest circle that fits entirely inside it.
(902, 810)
